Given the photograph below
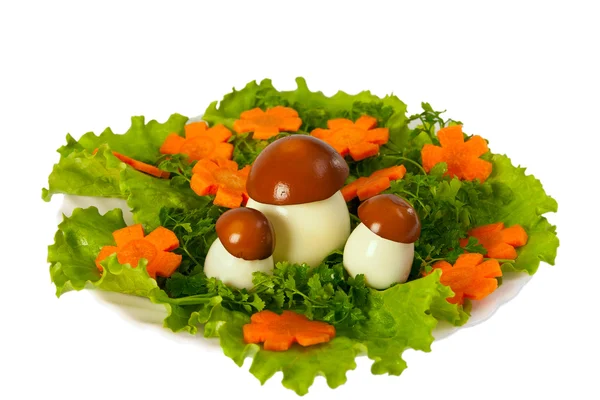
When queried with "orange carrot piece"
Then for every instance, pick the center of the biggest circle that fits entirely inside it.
(487, 229)
(283, 112)
(363, 150)
(376, 183)
(219, 133)
(135, 250)
(132, 246)
(103, 254)
(203, 184)
(141, 166)
(360, 139)
(125, 235)
(373, 187)
(265, 132)
(500, 242)
(279, 332)
(164, 239)
(221, 178)
(269, 123)
(462, 158)
(195, 129)
(515, 236)
(378, 135)
(172, 144)
(470, 277)
(200, 142)
(366, 122)
(164, 264)
(228, 198)
(339, 123)
(451, 136)
(392, 173)
(350, 190)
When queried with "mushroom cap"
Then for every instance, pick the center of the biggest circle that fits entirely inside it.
(296, 169)
(390, 217)
(246, 233)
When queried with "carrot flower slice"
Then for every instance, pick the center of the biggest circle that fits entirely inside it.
(279, 332)
(360, 139)
(500, 242)
(469, 277)
(266, 124)
(200, 142)
(133, 245)
(461, 157)
(376, 183)
(223, 179)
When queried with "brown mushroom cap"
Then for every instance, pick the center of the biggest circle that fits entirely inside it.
(246, 233)
(296, 169)
(390, 217)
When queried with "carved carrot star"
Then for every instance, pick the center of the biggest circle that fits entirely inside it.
(279, 332)
(462, 158)
(360, 139)
(266, 124)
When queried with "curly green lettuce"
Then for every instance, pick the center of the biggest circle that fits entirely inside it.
(80, 172)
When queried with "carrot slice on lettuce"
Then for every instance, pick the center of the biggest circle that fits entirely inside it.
(359, 139)
(140, 166)
(125, 235)
(269, 123)
(200, 142)
(500, 242)
(135, 250)
(462, 158)
(279, 332)
(469, 277)
(132, 246)
(376, 183)
(222, 179)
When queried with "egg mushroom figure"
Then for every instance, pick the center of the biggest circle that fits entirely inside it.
(245, 243)
(382, 246)
(296, 182)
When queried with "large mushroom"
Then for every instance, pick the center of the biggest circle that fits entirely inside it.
(245, 244)
(382, 246)
(296, 182)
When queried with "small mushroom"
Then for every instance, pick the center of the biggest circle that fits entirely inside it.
(382, 245)
(295, 181)
(245, 243)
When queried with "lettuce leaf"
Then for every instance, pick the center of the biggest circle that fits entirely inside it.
(146, 195)
(142, 140)
(79, 172)
(400, 318)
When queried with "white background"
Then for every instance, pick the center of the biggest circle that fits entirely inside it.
(522, 74)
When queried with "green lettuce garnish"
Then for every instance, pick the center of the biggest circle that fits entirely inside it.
(79, 172)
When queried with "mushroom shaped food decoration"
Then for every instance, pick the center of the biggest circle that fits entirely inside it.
(382, 246)
(295, 181)
(245, 243)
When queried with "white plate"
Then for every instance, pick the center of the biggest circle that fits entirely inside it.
(142, 310)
